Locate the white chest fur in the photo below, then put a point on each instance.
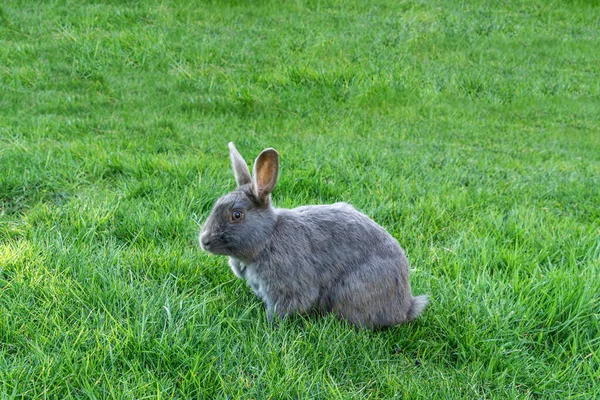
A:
(248, 272)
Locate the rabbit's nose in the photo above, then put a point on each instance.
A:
(204, 240)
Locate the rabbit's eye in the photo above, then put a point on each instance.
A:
(236, 215)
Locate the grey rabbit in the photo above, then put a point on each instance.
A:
(326, 258)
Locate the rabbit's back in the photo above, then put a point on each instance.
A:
(338, 232)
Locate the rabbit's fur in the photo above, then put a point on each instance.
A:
(329, 258)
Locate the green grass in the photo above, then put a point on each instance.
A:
(469, 130)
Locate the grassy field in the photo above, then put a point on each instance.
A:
(468, 129)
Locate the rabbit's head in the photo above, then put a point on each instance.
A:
(241, 221)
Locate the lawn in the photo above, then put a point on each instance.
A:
(470, 130)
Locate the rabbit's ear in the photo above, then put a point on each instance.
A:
(240, 169)
(266, 170)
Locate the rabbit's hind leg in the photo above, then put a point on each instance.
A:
(372, 298)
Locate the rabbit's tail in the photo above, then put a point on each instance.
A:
(419, 303)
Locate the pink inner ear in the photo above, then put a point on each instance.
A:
(267, 167)
(265, 176)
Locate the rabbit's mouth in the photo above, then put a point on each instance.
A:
(216, 250)
(208, 246)
(211, 245)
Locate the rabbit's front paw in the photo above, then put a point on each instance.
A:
(274, 318)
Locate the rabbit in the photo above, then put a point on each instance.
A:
(323, 258)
